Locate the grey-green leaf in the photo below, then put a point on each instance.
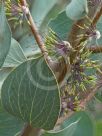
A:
(9, 126)
(40, 9)
(67, 131)
(98, 128)
(29, 45)
(77, 9)
(3, 74)
(31, 93)
(85, 126)
(5, 36)
(15, 56)
(99, 28)
(61, 25)
(99, 95)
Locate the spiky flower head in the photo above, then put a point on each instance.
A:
(56, 46)
(14, 11)
(69, 100)
(93, 33)
(80, 79)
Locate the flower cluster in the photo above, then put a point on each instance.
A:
(79, 80)
(14, 11)
(89, 31)
(69, 100)
(93, 33)
(81, 75)
(56, 46)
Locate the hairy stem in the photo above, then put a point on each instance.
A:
(54, 65)
(34, 29)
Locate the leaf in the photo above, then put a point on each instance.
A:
(85, 125)
(97, 42)
(9, 126)
(26, 41)
(3, 74)
(77, 9)
(53, 13)
(30, 92)
(21, 30)
(99, 95)
(99, 28)
(5, 36)
(15, 56)
(29, 45)
(61, 25)
(67, 131)
(98, 128)
(40, 9)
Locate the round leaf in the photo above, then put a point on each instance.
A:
(15, 56)
(40, 9)
(67, 131)
(98, 128)
(85, 125)
(9, 126)
(61, 25)
(30, 92)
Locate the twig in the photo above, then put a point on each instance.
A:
(34, 29)
(74, 32)
(53, 64)
(95, 49)
(97, 17)
(89, 96)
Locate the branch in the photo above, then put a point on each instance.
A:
(34, 29)
(97, 17)
(95, 49)
(53, 64)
